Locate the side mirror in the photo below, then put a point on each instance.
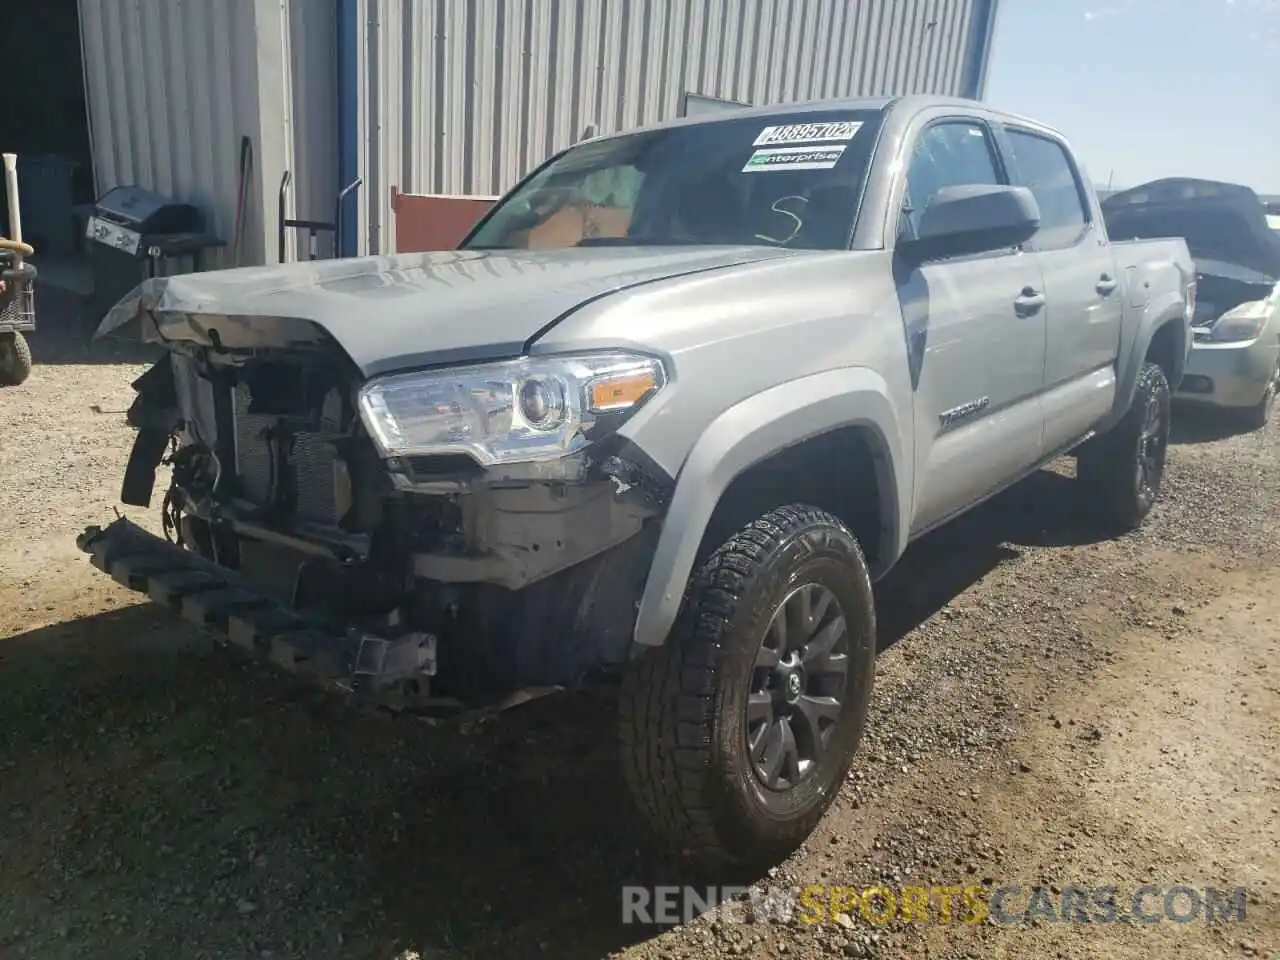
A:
(974, 218)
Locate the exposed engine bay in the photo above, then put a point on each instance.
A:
(481, 581)
(1222, 291)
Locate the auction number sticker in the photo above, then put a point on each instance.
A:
(838, 130)
(794, 158)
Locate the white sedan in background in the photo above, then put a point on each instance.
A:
(1235, 356)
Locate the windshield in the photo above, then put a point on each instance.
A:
(788, 181)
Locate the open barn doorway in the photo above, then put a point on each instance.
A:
(44, 120)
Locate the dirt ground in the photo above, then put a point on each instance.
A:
(1050, 710)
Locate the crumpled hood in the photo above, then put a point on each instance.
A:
(417, 309)
(1222, 223)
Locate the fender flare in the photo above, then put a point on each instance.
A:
(750, 432)
(1166, 310)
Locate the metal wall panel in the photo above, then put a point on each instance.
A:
(465, 96)
(312, 138)
(172, 86)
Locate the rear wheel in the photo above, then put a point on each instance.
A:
(15, 359)
(1121, 471)
(738, 733)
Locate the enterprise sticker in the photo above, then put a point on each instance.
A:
(794, 158)
(808, 133)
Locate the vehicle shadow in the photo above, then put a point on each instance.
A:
(1044, 510)
(1194, 425)
(189, 791)
(185, 790)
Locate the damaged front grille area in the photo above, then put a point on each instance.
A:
(278, 461)
(254, 456)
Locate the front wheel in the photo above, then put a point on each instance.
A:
(15, 359)
(738, 733)
(1121, 471)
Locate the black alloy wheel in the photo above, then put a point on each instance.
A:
(797, 687)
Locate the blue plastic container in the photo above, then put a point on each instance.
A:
(45, 191)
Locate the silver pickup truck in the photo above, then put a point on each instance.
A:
(674, 404)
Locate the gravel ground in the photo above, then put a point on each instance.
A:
(1050, 709)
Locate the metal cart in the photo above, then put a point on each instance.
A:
(18, 296)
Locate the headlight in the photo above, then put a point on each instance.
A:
(515, 411)
(1243, 323)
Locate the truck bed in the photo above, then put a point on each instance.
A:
(1146, 256)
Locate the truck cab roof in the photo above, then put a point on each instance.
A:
(910, 103)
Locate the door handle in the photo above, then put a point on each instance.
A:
(1106, 285)
(1028, 302)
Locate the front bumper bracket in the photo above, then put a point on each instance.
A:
(219, 599)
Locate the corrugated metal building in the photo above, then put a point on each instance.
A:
(463, 96)
(172, 85)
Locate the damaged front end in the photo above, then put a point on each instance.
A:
(436, 540)
(1221, 289)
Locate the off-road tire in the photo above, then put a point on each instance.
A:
(1257, 416)
(15, 359)
(683, 723)
(1108, 468)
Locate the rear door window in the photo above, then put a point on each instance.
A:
(1043, 166)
